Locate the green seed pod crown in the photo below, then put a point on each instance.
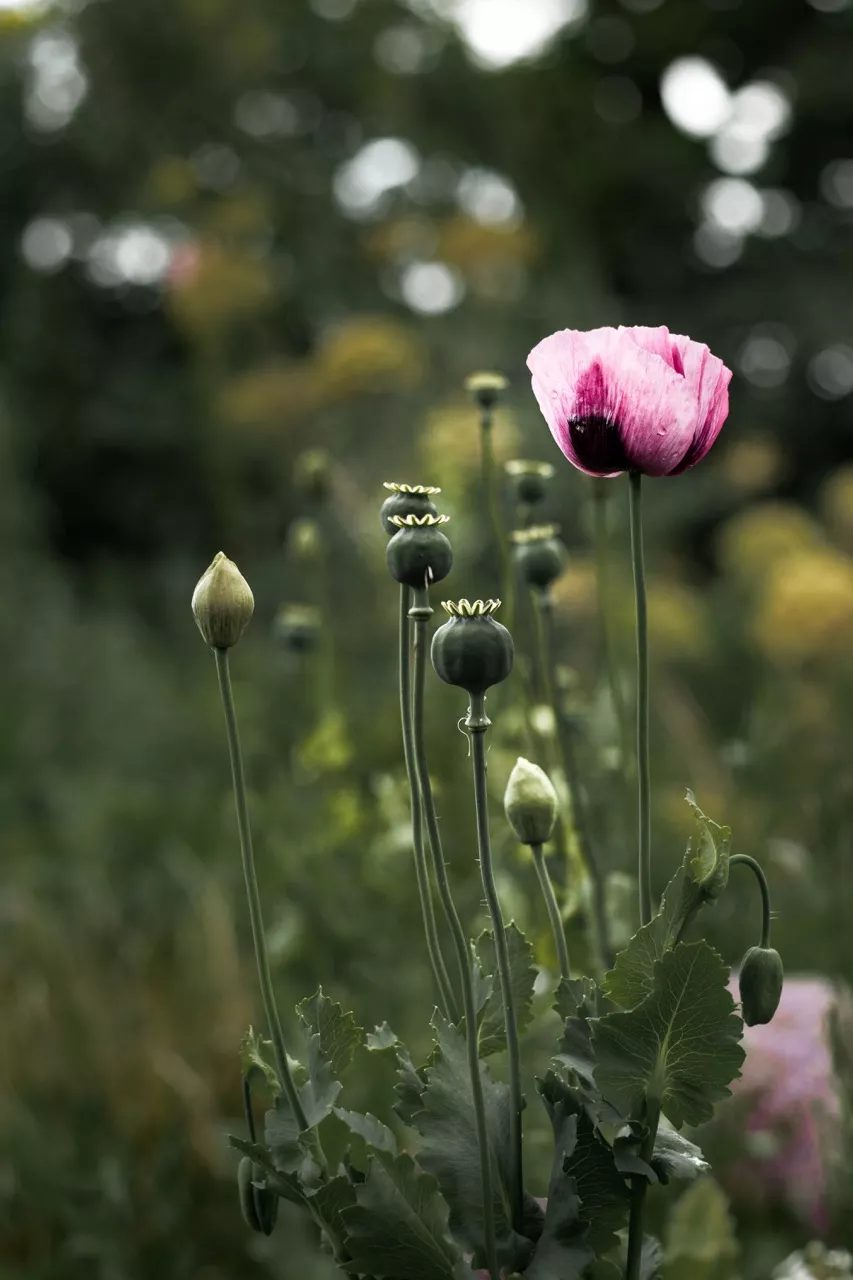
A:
(472, 649)
(407, 500)
(760, 982)
(530, 803)
(530, 479)
(539, 554)
(419, 553)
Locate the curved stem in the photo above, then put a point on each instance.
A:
(758, 871)
(553, 910)
(643, 768)
(477, 735)
(507, 581)
(543, 614)
(252, 892)
(602, 565)
(421, 613)
(247, 1108)
(639, 1188)
(436, 958)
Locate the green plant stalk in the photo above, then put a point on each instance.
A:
(602, 566)
(543, 615)
(643, 767)
(743, 859)
(252, 892)
(639, 1189)
(477, 730)
(553, 910)
(507, 582)
(439, 969)
(421, 613)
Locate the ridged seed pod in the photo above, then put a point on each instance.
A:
(530, 479)
(407, 500)
(539, 554)
(472, 650)
(419, 553)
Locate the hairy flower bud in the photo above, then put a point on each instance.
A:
(419, 553)
(530, 803)
(222, 603)
(472, 650)
(760, 982)
(406, 500)
(530, 479)
(539, 554)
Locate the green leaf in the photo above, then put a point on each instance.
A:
(522, 979)
(328, 1203)
(679, 1046)
(699, 880)
(562, 1252)
(409, 1088)
(373, 1131)
(701, 1242)
(576, 997)
(603, 1192)
(676, 1157)
(294, 1151)
(286, 1185)
(381, 1038)
(252, 1059)
(450, 1150)
(651, 1258)
(399, 1225)
(338, 1032)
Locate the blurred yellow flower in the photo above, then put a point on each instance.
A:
(369, 353)
(218, 287)
(270, 395)
(836, 503)
(755, 539)
(678, 624)
(752, 465)
(806, 610)
(450, 445)
(467, 244)
(243, 214)
(171, 181)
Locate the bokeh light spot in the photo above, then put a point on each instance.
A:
(695, 96)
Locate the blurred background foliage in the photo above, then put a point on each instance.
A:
(233, 232)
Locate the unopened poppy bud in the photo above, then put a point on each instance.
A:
(760, 982)
(222, 603)
(472, 649)
(419, 553)
(539, 554)
(297, 627)
(258, 1204)
(407, 500)
(530, 479)
(530, 803)
(486, 388)
(304, 540)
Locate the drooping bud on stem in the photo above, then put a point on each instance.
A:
(760, 983)
(530, 803)
(222, 603)
(407, 500)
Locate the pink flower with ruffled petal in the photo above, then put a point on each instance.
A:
(630, 399)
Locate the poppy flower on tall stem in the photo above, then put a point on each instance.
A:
(648, 402)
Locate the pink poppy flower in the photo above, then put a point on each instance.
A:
(630, 399)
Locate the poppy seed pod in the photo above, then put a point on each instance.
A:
(472, 650)
(530, 803)
(485, 388)
(297, 627)
(406, 500)
(760, 982)
(222, 603)
(419, 553)
(539, 554)
(530, 479)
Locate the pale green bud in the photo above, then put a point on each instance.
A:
(222, 603)
(530, 803)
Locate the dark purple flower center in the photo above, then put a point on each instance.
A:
(597, 443)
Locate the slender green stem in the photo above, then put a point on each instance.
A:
(481, 801)
(507, 581)
(758, 871)
(643, 768)
(433, 942)
(553, 910)
(544, 618)
(421, 613)
(639, 1188)
(252, 892)
(608, 656)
